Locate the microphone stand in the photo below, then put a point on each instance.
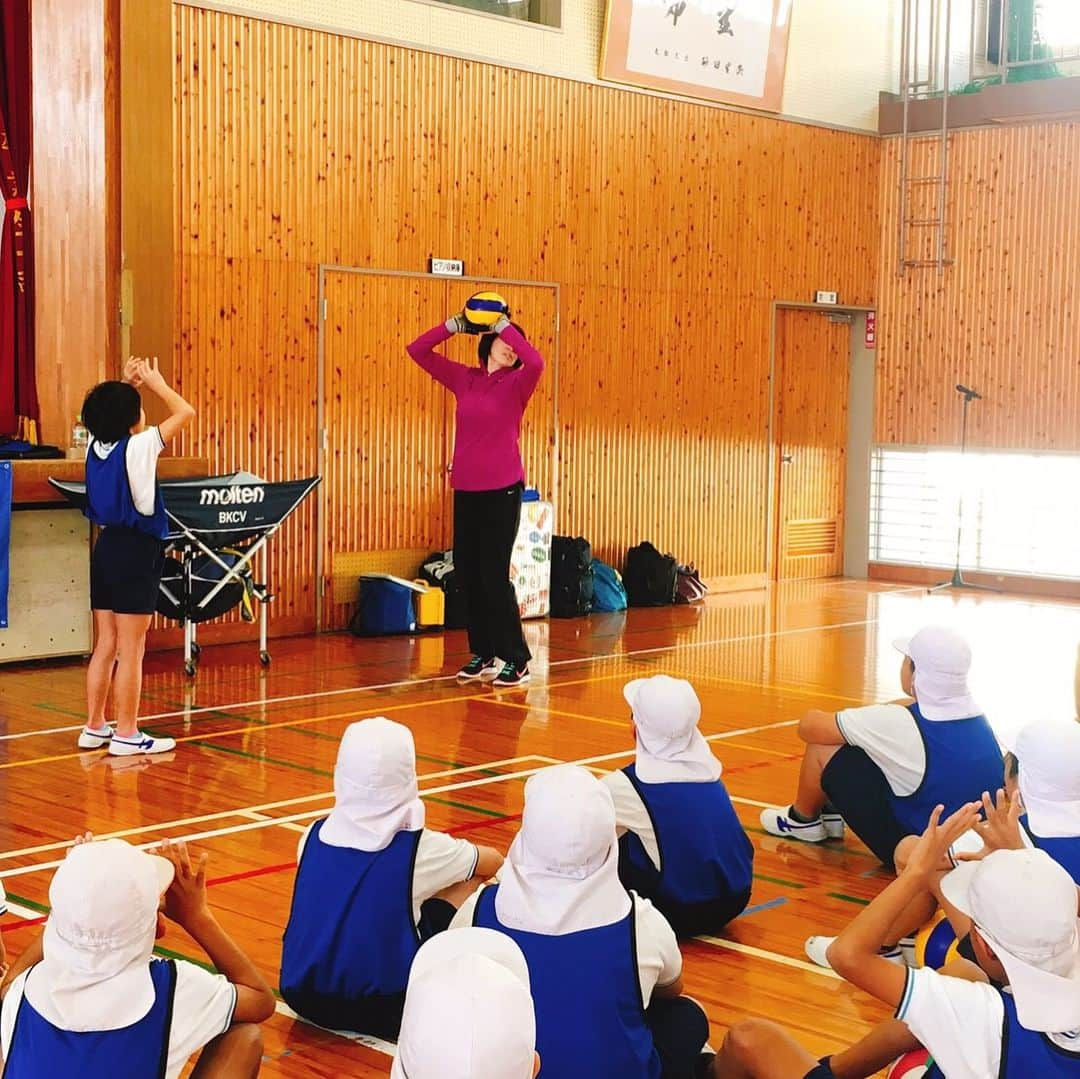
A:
(957, 578)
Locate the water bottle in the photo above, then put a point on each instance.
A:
(80, 439)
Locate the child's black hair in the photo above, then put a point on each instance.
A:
(483, 348)
(1012, 766)
(110, 410)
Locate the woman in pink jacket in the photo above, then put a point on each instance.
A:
(488, 479)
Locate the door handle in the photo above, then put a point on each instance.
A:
(786, 458)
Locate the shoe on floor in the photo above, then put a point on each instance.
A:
(816, 948)
(511, 675)
(479, 669)
(95, 739)
(834, 824)
(140, 743)
(777, 821)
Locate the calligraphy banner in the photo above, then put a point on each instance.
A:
(732, 51)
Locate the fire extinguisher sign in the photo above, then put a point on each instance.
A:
(871, 329)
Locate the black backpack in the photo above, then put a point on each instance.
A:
(438, 570)
(651, 578)
(571, 577)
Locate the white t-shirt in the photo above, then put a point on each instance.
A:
(959, 1023)
(143, 452)
(631, 814)
(203, 1008)
(441, 860)
(890, 736)
(3, 899)
(658, 957)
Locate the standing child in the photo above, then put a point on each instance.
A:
(123, 500)
(884, 767)
(681, 845)
(468, 1012)
(372, 885)
(604, 965)
(88, 999)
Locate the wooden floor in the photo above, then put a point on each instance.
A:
(256, 755)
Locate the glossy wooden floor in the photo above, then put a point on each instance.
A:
(256, 756)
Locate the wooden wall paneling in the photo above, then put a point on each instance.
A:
(670, 228)
(811, 410)
(73, 194)
(1001, 319)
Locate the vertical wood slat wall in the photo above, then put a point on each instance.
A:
(670, 227)
(1005, 318)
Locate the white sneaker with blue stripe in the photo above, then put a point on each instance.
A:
(95, 737)
(779, 821)
(140, 743)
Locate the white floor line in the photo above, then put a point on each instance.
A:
(255, 825)
(224, 814)
(22, 912)
(365, 1040)
(417, 682)
(772, 957)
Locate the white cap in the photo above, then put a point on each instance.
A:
(1049, 756)
(942, 660)
(670, 747)
(105, 897)
(1024, 906)
(468, 1012)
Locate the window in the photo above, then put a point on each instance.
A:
(1021, 511)
(541, 12)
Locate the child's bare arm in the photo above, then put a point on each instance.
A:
(144, 372)
(489, 861)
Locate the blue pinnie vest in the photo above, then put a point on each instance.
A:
(1064, 850)
(1029, 1053)
(590, 1018)
(704, 853)
(109, 500)
(351, 934)
(41, 1051)
(963, 759)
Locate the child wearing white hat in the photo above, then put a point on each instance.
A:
(604, 965)
(372, 885)
(883, 767)
(1014, 1013)
(681, 844)
(88, 999)
(468, 1012)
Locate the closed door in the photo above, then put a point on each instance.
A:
(810, 424)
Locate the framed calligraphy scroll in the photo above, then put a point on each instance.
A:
(732, 51)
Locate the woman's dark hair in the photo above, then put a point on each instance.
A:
(110, 410)
(483, 348)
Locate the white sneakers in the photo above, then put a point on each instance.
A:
(817, 948)
(780, 822)
(137, 744)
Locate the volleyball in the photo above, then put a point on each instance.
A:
(936, 944)
(484, 309)
(911, 1065)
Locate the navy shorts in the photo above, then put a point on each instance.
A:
(125, 571)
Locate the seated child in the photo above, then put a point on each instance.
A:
(372, 885)
(1012, 1014)
(681, 844)
(884, 767)
(604, 965)
(87, 994)
(468, 1012)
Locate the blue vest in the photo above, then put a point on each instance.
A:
(963, 759)
(41, 1051)
(590, 1018)
(351, 934)
(1064, 850)
(704, 853)
(108, 494)
(1027, 1054)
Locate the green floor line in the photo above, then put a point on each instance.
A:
(849, 898)
(840, 848)
(778, 880)
(233, 751)
(60, 711)
(22, 901)
(463, 805)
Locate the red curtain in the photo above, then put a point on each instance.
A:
(18, 391)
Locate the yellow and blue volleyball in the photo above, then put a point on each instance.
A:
(913, 1065)
(936, 944)
(485, 309)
